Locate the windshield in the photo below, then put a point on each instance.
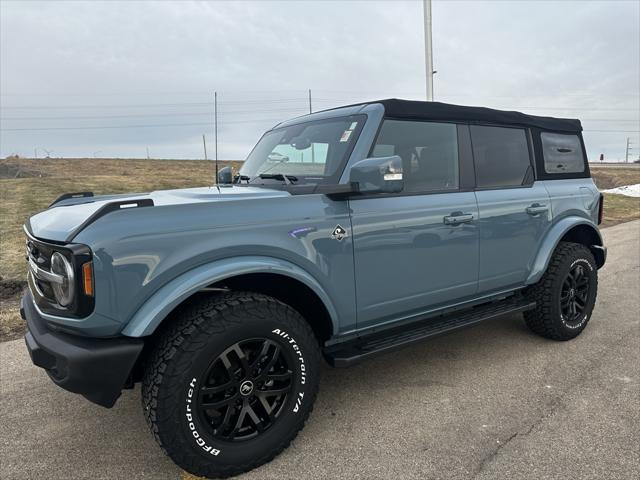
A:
(311, 152)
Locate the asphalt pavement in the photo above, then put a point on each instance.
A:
(493, 401)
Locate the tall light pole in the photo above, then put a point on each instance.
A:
(215, 129)
(428, 48)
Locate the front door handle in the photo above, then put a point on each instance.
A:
(457, 218)
(537, 209)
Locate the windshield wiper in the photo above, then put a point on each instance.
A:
(287, 179)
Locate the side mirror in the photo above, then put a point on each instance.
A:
(225, 175)
(378, 175)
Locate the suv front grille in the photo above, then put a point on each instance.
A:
(40, 278)
(39, 255)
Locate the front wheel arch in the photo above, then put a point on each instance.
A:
(181, 289)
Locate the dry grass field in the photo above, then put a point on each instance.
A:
(28, 186)
(617, 208)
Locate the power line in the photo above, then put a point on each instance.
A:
(613, 131)
(510, 107)
(136, 94)
(153, 105)
(624, 96)
(610, 120)
(233, 122)
(299, 100)
(207, 124)
(251, 113)
(143, 115)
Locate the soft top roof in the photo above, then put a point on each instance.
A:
(397, 108)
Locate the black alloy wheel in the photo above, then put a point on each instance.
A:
(574, 294)
(244, 390)
(230, 382)
(565, 295)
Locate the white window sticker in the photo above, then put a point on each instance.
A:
(345, 135)
(353, 126)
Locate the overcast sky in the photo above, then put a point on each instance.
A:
(145, 72)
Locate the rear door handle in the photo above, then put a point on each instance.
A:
(458, 218)
(537, 209)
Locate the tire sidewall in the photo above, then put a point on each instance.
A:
(293, 344)
(585, 259)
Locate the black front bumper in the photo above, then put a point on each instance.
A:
(95, 368)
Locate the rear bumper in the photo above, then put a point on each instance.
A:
(95, 368)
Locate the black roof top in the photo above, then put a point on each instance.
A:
(397, 108)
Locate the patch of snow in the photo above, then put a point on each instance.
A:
(628, 190)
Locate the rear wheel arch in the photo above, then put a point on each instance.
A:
(588, 236)
(571, 229)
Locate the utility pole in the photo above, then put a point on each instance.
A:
(313, 153)
(626, 154)
(204, 144)
(148, 153)
(215, 127)
(428, 48)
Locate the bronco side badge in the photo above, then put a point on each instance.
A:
(338, 233)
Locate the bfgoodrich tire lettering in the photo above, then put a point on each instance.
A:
(215, 425)
(565, 295)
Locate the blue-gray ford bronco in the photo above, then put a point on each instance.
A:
(346, 233)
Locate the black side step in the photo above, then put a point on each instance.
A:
(345, 355)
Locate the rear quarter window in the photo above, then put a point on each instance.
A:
(562, 153)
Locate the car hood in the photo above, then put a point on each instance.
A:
(64, 219)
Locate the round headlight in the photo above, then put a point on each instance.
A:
(63, 291)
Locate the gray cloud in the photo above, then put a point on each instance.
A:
(69, 66)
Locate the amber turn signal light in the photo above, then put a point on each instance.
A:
(87, 279)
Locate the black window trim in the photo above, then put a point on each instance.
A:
(466, 175)
(541, 173)
(466, 162)
(332, 179)
(530, 149)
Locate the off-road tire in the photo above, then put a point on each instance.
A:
(546, 319)
(201, 332)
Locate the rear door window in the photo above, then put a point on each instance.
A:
(501, 156)
(562, 153)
